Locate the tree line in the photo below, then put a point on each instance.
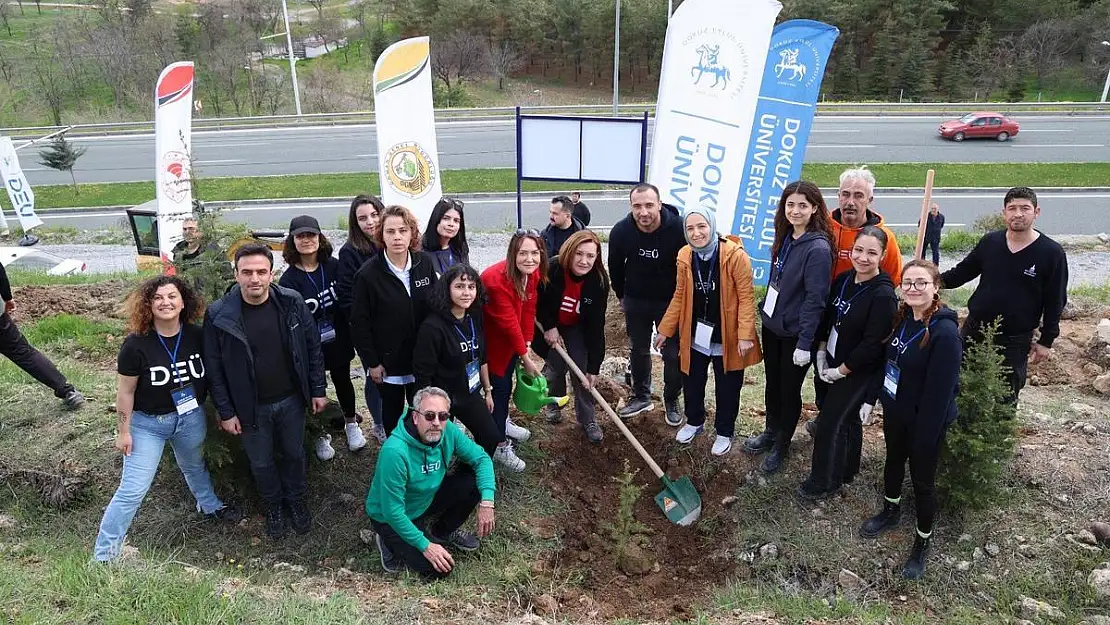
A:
(102, 62)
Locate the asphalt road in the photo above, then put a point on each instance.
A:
(1062, 212)
(471, 144)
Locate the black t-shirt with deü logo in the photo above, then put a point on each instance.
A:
(144, 356)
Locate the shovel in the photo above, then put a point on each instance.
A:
(678, 500)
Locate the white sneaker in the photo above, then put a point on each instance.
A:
(722, 446)
(324, 450)
(355, 439)
(687, 433)
(505, 455)
(516, 432)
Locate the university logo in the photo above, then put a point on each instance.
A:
(708, 64)
(788, 62)
(174, 178)
(799, 64)
(409, 169)
(1032, 271)
(719, 62)
(180, 373)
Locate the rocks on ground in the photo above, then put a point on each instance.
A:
(1034, 610)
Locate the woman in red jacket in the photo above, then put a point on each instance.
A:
(510, 322)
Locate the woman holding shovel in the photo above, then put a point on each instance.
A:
(852, 338)
(571, 310)
(919, 384)
(713, 312)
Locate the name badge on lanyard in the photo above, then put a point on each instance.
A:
(327, 330)
(890, 379)
(703, 332)
(831, 346)
(842, 308)
(773, 285)
(473, 367)
(892, 374)
(473, 379)
(184, 398)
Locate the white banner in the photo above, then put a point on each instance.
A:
(173, 121)
(713, 63)
(19, 190)
(408, 157)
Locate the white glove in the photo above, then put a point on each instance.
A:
(801, 358)
(865, 414)
(832, 374)
(822, 361)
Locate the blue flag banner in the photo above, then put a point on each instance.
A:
(784, 116)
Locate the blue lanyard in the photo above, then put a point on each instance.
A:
(840, 314)
(784, 252)
(904, 345)
(323, 281)
(472, 341)
(176, 346)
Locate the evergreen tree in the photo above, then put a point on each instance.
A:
(981, 442)
(62, 155)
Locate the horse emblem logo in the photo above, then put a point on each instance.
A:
(708, 64)
(788, 61)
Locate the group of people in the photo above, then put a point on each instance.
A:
(441, 344)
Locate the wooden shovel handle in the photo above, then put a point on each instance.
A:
(926, 205)
(608, 409)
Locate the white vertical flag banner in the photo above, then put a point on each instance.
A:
(173, 121)
(408, 156)
(713, 63)
(19, 190)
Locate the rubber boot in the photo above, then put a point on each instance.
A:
(915, 566)
(882, 521)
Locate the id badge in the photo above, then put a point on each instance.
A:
(890, 379)
(703, 335)
(185, 399)
(473, 380)
(831, 347)
(327, 332)
(772, 299)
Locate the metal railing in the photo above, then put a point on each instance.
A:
(507, 112)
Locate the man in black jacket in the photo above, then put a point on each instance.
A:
(563, 224)
(264, 362)
(581, 211)
(643, 256)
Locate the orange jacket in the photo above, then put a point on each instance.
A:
(738, 313)
(843, 238)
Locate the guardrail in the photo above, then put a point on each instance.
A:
(507, 112)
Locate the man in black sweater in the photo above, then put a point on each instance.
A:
(643, 252)
(15, 346)
(1023, 281)
(581, 211)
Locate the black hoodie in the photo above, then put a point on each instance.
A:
(384, 317)
(351, 259)
(928, 377)
(643, 266)
(444, 347)
(861, 314)
(803, 287)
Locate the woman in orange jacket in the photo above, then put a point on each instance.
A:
(713, 312)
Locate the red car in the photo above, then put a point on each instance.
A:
(979, 125)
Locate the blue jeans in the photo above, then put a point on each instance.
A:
(502, 390)
(149, 435)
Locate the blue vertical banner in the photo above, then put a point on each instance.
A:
(784, 116)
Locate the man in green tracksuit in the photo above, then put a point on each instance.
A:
(411, 484)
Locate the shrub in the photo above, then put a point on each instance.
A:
(959, 240)
(981, 441)
(625, 525)
(211, 273)
(989, 222)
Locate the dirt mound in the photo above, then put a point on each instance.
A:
(94, 301)
(682, 563)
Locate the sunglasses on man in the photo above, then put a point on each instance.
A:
(431, 417)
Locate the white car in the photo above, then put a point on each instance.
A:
(30, 259)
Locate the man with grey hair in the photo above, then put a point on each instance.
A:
(411, 485)
(853, 212)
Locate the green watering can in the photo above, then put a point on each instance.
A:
(530, 394)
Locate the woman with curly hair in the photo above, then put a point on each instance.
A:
(451, 352)
(445, 238)
(160, 395)
(390, 301)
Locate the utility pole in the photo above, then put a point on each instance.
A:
(616, 57)
(1106, 85)
(292, 58)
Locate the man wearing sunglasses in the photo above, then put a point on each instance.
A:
(411, 485)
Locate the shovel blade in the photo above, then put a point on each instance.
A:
(679, 501)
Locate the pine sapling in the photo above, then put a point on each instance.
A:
(62, 155)
(624, 524)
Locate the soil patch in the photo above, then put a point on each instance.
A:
(102, 300)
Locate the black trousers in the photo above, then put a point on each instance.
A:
(15, 346)
(453, 504)
(838, 444)
(394, 399)
(275, 446)
(728, 386)
(923, 460)
(471, 410)
(934, 245)
(556, 372)
(638, 319)
(1013, 347)
(783, 393)
(338, 363)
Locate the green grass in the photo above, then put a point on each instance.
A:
(504, 180)
(77, 335)
(952, 240)
(40, 278)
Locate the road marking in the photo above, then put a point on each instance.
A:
(217, 161)
(816, 130)
(1025, 130)
(843, 145)
(1057, 145)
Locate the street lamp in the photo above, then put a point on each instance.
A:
(292, 58)
(1106, 85)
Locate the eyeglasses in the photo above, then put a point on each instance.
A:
(917, 285)
(530, 232)
(452, 201)
(430, 417)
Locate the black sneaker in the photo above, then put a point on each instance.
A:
(302, 518)
(674, 415)
(390, 562)
(915, 565)
(635, 407)
(275, 525)
(773, 462)
(593, 432)
(554, 414)
(459, 539)
(73, 400)
(760, 443)
(230, 514)
(811, 427)
(807, 493)
(882, 521)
